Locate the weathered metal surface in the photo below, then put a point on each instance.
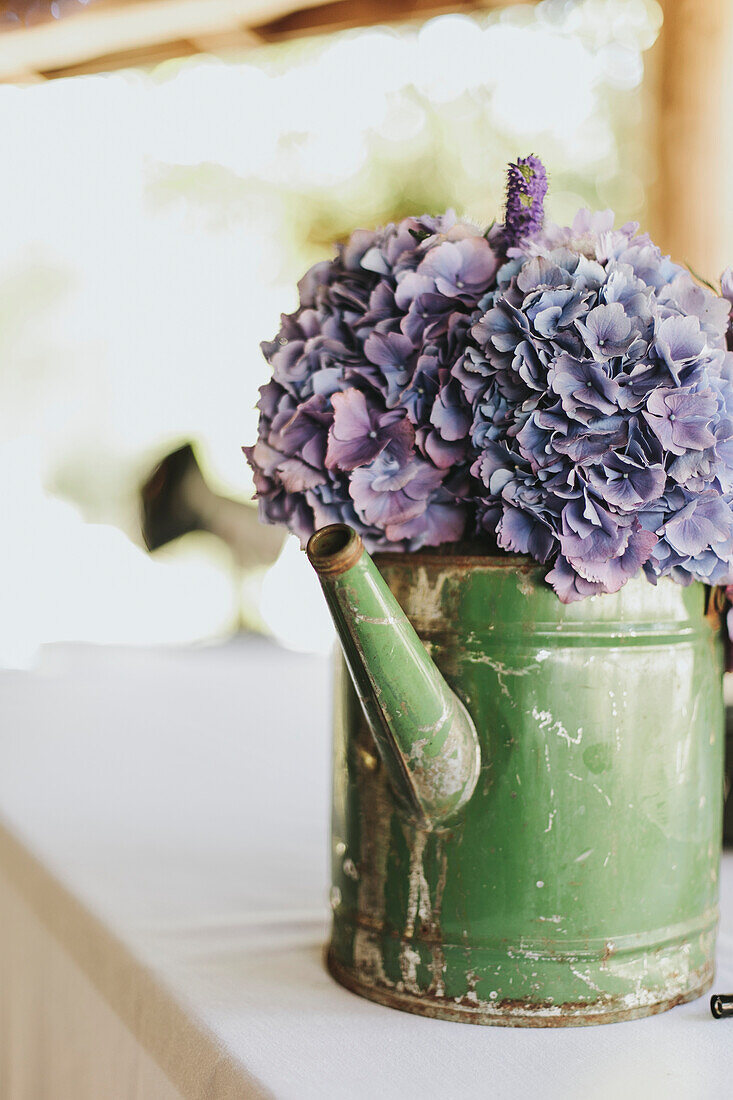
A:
(580, 882)
(424, 735)
(516, 1013)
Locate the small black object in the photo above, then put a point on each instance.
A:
(176, 499)
(166, 511)
(721, 1004)
(728, 812)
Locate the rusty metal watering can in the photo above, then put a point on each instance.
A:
(527, 795)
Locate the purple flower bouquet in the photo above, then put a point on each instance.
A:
(559, 392)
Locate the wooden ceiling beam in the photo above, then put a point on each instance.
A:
(237, 39)
(110, 30)
(126, 59)
(342, 14)
(113, 34)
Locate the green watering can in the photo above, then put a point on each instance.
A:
(527, 795)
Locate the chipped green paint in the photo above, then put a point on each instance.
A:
(579, 883)
(425, 737)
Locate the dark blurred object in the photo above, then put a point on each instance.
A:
(165, 514)
(728, 811)
(176, 500)
(721, 1004)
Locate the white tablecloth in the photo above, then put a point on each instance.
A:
(163, 908)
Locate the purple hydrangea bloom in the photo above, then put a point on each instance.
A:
(615, 452)
(360, 432)
(363, 420)
(388, 492)
(565, 393)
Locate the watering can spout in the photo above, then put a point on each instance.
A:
(424, 734)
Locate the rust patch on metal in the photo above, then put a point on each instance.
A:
(517, 1013)
(372, 865)
(334, 549)
(459, 556)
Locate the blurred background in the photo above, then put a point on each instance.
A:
(172, 167)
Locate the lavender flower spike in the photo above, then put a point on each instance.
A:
(525, 194)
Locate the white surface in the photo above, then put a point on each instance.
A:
(182, 797)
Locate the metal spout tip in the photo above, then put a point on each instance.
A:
(334, 549)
